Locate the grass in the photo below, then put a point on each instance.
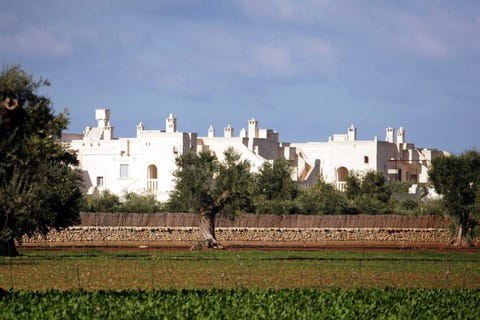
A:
(94, 270)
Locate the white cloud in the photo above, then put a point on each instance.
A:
(160, 72)
(293, 58)
(176, 83)
(284, 10)
(424, 45)
(206, 58)
(432, 32)
(317, 55)
(272, 61)
(35, 42)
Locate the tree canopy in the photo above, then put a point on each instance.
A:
(200, 179)
(369, 193)
(209, 187)
(39, 189)
(322, 198)
(275, 181)
(457, 179)
(276, 191)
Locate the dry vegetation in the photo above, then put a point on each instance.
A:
(99, 270)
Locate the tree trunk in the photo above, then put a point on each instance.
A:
(7, 248)
(207, 239)
(459, 239)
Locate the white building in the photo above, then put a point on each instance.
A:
(255, 145)
(343, 153)
(145, 163)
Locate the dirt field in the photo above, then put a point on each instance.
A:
(269, 246)
(119, 268)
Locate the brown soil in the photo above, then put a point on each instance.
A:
(267, 246)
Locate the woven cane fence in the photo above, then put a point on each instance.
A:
(263, 221)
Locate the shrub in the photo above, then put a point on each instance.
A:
(131, 203)
(104, 202)
(140, 203)
(367, 204)
(322, 199)
(278, 207)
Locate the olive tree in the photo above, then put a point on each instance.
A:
(209, 187)
(368, 192)
(39, 187)
(457, 179)
(276, 190)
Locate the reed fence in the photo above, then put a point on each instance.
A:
(263, 221)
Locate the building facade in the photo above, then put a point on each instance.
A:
(344, 153)
(146, 163)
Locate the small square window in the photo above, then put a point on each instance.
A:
(124, 171)
(99, 182)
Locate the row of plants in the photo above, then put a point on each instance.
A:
(302, 303)
(275, 193)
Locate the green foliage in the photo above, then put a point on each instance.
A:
(457, 179)
(369, 194)
(366, 204)
(407, 206)
(399, 186)
(322, 198)
(236, 177)
(201, 179)
(303, 303)
(39, 189)
(373, 185)
(104, 202)
(195, 184)
(354, 183)
(274, 181)
(278, 207)
(131, 203)
(140, 203)
(432, 207)
(275, 190)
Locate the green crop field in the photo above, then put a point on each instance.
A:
(302, 303)
(239, 284)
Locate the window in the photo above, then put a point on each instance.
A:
(365, 159)
(124, 171)
(99, 182)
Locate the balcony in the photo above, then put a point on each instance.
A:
(341, 186)
(152, 184)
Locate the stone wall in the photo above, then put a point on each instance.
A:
(185, 236)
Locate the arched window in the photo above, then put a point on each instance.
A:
(342, 174)
(152, 172)
(365, 159)
(152, 182)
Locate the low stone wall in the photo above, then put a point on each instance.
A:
(185, 236)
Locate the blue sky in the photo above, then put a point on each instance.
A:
(306, 68)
